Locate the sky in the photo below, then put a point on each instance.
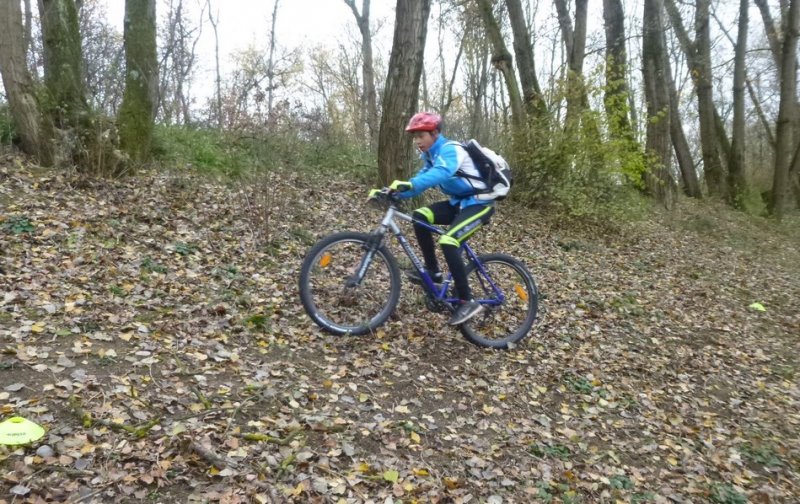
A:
(308, 23)
(241, 23)
(299, 22)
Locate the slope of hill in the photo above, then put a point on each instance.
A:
(152, 325)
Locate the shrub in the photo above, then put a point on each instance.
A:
(750, 201)
(206, 150)
(582, 170)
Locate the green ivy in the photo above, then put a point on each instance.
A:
(18, 225)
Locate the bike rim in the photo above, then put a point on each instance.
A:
(340, 307)
(508, 318)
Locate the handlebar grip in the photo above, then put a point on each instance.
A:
(386, 195)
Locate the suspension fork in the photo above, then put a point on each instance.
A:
(370, 247)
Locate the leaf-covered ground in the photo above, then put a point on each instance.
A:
(160, 341)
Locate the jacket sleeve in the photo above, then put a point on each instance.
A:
(444, 167)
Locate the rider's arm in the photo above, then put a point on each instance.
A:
(444, 167)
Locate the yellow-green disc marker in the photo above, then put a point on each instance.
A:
(19, 431)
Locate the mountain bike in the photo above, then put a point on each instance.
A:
(350, 284)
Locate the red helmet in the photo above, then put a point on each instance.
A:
(424, 121)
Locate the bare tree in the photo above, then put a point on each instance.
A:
(658, 180)
(683, 154)
(773, 36)
(214, 20)
(271, 66)
(776, 40)
(32, 125)
(367, 69)
(503, 61)
(531, 91)
(447, 80)
(616, 94)
(698, 56)
(736, 177)
(476, 76)
(785, 147)
(575, 43)
(402, 88)
(177, 63)
(28, 26)
(103, 58)
(244, 102)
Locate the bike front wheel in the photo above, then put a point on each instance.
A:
(508, 291)
(331, 293)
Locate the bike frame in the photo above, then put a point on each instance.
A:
(389, 224)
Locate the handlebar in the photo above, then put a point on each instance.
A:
(387, 196)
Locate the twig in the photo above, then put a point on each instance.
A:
(90, 495)
(200, 413)
(211, 457)
(85, 417)
(236, 412)
(202, 398)
(337, 475)
(257, 436)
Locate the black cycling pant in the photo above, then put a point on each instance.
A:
(463, 224)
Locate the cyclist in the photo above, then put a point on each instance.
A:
(445, 163)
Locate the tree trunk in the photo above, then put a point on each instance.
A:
(504, 62)
(367, 70)
(63, 75)
(141, 79)
(218, 97)
(699, 61)
(531, 92)
(32, 126)
(28, 27)
(402, 88)
(784, 149)
(476, 70)
(618, 100)
(771, 30)
(736, 177)
(616, 94)
(691, 184)
(658, 180)
(271, 66)
(775, 43)
(712, 165)
(575, 43)
(178, 44)
(447, 93)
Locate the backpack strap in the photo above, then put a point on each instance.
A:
(461, 173)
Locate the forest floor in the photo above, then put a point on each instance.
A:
(160, 341)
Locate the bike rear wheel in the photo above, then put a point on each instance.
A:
(507, 320)
(330, 296)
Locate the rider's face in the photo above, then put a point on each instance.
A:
(424, 139)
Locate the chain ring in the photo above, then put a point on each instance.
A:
(437, 305)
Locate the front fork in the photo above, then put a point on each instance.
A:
(371, 247)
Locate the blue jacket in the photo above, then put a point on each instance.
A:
(441, 163)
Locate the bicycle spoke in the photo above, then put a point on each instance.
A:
(509, 321)
(334, 297)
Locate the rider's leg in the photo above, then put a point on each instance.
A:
(465, 224)
(440, 213)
